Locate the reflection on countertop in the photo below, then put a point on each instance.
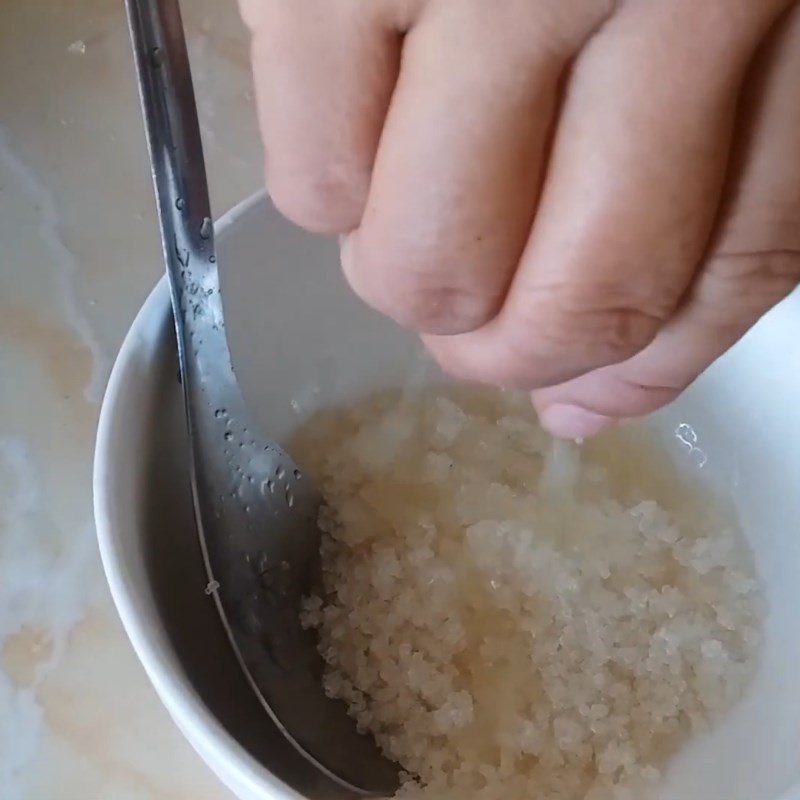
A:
(78, 254)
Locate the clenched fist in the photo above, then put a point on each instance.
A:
(589, 199)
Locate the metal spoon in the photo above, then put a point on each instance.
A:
(255, 513)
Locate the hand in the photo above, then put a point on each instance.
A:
(589, 199)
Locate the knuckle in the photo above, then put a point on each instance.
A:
(619, 331)
(737, 287)
(595, 325)
(748, 281)
(417, 297)
(442, 310)
(604, 335)
(320, 199)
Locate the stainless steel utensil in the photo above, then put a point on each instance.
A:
(255, 512)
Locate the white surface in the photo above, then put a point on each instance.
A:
(745, 413)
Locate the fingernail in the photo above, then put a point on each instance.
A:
(573, 422)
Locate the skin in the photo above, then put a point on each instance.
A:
(592, 200)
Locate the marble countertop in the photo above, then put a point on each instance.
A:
(78, 254)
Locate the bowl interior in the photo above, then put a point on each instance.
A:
(300, 340)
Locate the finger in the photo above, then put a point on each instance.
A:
(460, 161)
(754, 263)
(630, 198)
(324, 75)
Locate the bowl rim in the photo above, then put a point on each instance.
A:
(237, 769)
(243, 774)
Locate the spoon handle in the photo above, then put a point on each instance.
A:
(181, 189)
(173, 131)
(187, 240)
(187, 232)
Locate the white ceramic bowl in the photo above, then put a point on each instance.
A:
(300, 340)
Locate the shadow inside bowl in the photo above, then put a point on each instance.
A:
(176, 575)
